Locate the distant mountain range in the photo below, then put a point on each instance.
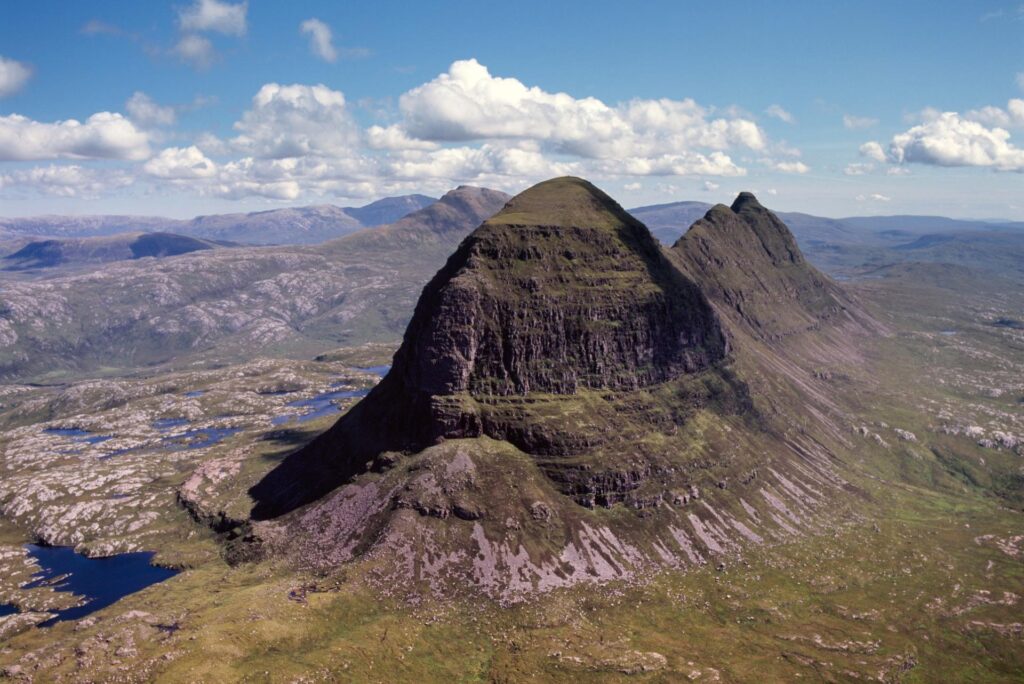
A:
(292, 225)
(226, 302)
(65, 310)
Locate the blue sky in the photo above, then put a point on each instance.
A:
(206, 106)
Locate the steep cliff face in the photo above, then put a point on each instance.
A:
(560, 363)
(560, 291)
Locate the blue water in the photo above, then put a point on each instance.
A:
(67, 432)
(320, 405)
(102, 581)
(78, 435)
(195, 393)
(200, 438)
(7, 609)
(379, 370)
(169, 423)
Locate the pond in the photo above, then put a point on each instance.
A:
(101, 581)
(318, 406)
(164, 424)
(200, 438)
(78, 435)
(7, 609)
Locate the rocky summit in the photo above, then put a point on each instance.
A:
(573, 402)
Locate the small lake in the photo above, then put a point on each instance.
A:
(101, 581)
(200, 438)
(78, 435)
(7, 609)
(164, 424)
(318, 406)
(324, 404)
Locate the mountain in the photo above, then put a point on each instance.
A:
(389, 209)
(572, 402)
(86, 226)
(667, 221)
(772, 290)
(223, 303)
(292, 225)
(78, 252)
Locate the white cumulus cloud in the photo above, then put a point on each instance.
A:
(103, 135)
(874, 197)
(873, 150)
(180, 163)
(66, 180)
(296, 121)
(320, 39)
(952, 140)
(1011, 117)
(213, 15)
(852, 122)
(302, 141)
(395, 138)
(666, 136)
(791, 167)
(858, 169)
(777, 112)
(145, 112)
(13, 76)
(195, 50)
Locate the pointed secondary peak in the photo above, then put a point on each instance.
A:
(745, 200)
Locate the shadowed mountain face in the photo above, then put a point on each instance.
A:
(71, 252)
(563, 362)
(747, 260)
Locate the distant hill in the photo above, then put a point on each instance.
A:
(291, 225)
(77, 252)
(86, 226)
(228, 302)
(389, 209)
(668, 222)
